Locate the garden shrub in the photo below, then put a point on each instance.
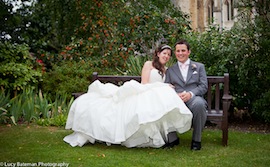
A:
(17, 67)
(58, 113)
(33, 106)
(4, 103)
(261, 107)
(244, 52)
(114, 30)
(112, 36)
(69, 77)
(251, 57)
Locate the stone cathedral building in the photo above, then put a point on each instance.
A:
(205, 12)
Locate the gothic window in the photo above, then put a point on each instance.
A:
(210, 11)
(229, 4)
(232, 8)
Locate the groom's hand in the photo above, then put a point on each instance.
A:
(185, 96)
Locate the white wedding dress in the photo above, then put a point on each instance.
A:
(133, 115)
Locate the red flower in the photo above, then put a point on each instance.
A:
(39, 61)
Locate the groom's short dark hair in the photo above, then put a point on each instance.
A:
(182, 42)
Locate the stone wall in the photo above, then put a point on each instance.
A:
(198, 11)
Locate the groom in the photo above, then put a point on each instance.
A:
(190, 82)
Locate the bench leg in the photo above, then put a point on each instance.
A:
(226, 105)
(225, 137)
(224, 127)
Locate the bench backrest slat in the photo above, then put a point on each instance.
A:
(217, 98)
(114, 79)
(209, 97)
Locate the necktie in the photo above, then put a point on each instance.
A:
(184, 66)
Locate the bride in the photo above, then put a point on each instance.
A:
(134, 114)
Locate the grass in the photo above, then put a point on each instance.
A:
(33, 144)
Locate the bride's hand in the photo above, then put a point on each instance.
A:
(171, 86)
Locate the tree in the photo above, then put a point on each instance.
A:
(252, 56)
(42, 24)
(112, 31)
(9, 20)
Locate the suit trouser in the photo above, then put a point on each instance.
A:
(197, 106)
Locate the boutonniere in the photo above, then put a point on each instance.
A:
(193, 67)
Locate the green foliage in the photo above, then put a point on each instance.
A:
(101, 33)
(112, 31)
(58, 113)
(22, 107)
(135, 64)
(70, 76)
(28, 97)
(44, 25)
(4, 99)
(17, 67)
(75, 38)
(59, 120)
(15, 109)
(4, 102)
(252, 57)
(243, 52)
(11, 23)
(15, 76)
(211, 48)
(43, 104)
(261, 107)
(67, 78)
(30, 106)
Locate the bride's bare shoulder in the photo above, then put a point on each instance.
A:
(148, 64)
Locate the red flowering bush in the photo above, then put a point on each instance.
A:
(114, 30)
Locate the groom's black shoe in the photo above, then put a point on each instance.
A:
(173, 140)
(195, 145)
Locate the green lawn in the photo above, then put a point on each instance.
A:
(33, 144)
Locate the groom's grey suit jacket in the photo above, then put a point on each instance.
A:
(196, 81)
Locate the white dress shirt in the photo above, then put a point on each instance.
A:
(184, 68)
(184, 71)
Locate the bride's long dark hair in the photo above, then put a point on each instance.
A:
(156, 63)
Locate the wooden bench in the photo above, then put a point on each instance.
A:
(217, 97)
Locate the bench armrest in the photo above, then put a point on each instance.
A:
(227, 97)
(76, 95)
